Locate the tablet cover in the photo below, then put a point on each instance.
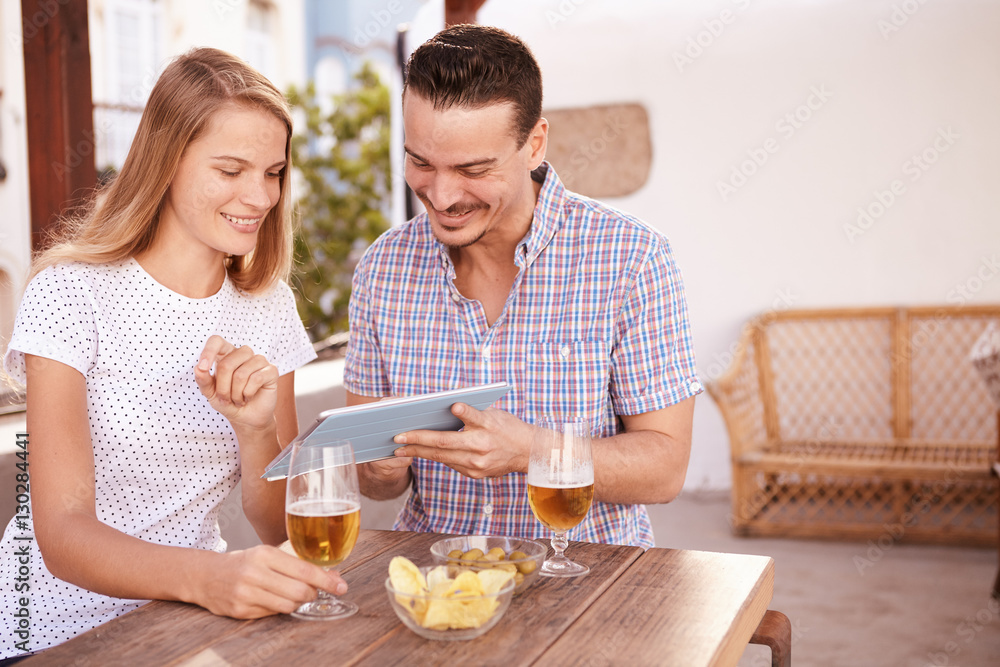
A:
(371, 427)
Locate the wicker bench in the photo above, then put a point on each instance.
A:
(865, 423)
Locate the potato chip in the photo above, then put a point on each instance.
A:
(466, 585)
(407, 578)
(440, 589)
(458, 613)
(493, 580)
(436, 577)
(476, 611)
(439, 614)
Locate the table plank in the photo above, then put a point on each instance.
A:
(676, 603)
(158, 633)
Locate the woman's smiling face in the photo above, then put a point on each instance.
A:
(226, 182)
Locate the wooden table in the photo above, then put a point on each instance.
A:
(661, 606)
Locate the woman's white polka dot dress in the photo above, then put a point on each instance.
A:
(164, 460)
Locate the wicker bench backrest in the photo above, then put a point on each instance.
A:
(868, 374)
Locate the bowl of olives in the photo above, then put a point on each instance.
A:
(480, 552)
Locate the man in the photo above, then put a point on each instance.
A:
(509, 277)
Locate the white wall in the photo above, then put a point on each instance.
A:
(887, 80)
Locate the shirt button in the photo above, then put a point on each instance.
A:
(695, 387)
(456, 297)
(486, 351)
(488, 509)
(565, 352)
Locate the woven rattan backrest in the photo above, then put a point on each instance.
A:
(746, 420)
(948, 400)
(831, 374)
(874, 374)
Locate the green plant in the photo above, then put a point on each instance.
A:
(342, 158)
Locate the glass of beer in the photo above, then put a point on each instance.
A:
(323, 516)
(561, 487)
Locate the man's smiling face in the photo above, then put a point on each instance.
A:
(466, 167)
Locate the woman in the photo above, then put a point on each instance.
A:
(159, 343)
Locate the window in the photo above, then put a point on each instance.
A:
(133, 55)
(260, 50)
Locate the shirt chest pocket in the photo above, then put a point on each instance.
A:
(567, 379)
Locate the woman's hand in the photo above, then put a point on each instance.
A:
(261, 581)
(244, 387)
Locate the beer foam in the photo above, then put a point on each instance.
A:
(578, 476)
(323, 507)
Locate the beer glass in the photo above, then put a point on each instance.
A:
(323, 516)
(561, 487)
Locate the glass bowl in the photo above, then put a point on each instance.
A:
(495, 604)
(527, 566)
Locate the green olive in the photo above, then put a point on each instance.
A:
(527, 566)
(473, 554)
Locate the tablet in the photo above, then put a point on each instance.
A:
(371, 427)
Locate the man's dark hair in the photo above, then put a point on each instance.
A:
(475, 66)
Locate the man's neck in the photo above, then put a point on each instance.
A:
(485, 271)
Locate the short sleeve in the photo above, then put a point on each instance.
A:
(653, 365)
(290, 346)
(56, 320)
(363, 372)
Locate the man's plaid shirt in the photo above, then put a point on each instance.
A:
(595, 325)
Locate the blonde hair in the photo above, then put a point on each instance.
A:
(121, 220)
